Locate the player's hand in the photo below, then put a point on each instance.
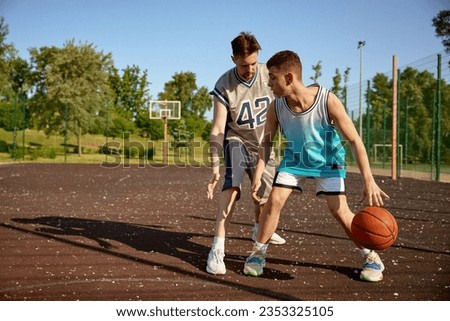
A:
(212, 185)
(374, 194)
(255, 187)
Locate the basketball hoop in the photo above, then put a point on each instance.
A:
(165, 110)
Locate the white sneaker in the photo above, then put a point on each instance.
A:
(275, 239)
(215, 264)
(372, 269)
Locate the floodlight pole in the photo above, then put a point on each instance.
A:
(361, 44)
(394, 119)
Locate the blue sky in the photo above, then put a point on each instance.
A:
(165, 37)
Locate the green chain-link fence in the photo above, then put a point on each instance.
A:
(423, 118)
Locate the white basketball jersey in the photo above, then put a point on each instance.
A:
(246, 102)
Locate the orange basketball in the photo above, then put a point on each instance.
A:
(374, 228)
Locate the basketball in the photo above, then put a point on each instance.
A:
(374, 228)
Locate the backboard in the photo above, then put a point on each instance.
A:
(165, 109)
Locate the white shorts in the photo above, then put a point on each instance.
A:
(324, 185)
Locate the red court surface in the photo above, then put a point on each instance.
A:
(84, 232)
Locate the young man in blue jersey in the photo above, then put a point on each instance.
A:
(311, 119)
(241, 97)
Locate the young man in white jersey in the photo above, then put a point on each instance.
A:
(309, 118)
(241, 98)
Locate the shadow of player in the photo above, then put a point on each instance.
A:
(146, 238)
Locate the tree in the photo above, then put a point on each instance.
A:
(152, 128)
(181, 135)
(201, 102)
(194, 102)
(130, 91)
(119, 125)
(317, 71)
(7, 51)
(445, 130)
(10, 73)
(341, 91)
(416, 100)
(20, 76)
(381, 101)
(336, 88)
(70, 87)
(441, 24)
(344, 88)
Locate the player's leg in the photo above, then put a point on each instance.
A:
(270, 216)
(264, 192)
(227, 200)
(338, 207)
(255, 263)
(234, 175)
(269, 219)
(372, 268)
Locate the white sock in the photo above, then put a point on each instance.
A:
(364, 251)
(261, 247)
(218, 243)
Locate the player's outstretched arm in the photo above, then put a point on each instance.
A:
(216, 147)
(342, 121)
(270, 130)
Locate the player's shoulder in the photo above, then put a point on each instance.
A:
(263, 66)
(227, 75)
(263, 73)
(318, 90)
(224, 82)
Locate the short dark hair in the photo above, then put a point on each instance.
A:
(286, 60)
(245, 44)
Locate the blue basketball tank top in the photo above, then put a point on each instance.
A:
(313, 145)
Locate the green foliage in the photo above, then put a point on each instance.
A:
(151, 128)
(120, 125)
(7, 52)
(70, 87)
(415, 113)
(4, 148)
(20, 76)
(441, 24)
(44, 152)
(206, 131)
(194, 102)
(337, 78)
(317, 71)
(182, 137)
(339, 90)
(130, 91)
(7, 114)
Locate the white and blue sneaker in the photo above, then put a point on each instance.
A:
(372, 269)
(255, 263)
